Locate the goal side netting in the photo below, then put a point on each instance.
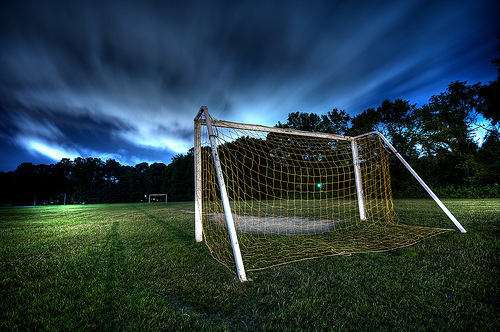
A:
(294, 195)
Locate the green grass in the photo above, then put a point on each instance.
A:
(136, 267)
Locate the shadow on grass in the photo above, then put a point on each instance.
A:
(178, 233)
(115, 266)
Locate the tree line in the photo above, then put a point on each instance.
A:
(92, 180)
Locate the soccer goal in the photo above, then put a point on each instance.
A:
(157, 198)
(267, 196)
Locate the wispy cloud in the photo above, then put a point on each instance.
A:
(104, 77)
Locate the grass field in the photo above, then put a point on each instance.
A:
(137, 267)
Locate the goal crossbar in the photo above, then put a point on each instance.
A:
(244, 126)
(213, 126)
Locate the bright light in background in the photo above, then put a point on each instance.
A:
(57, 153)
(51, 152)
(149, 139)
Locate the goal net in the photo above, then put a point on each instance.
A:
(294, 195)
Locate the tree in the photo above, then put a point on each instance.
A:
(448, 123)
(179, 177)
(32, 183)
(128, 186)
(365, 122)
(448, 120)
(490, 98)
(111, 174)
(302, 121)
(490, 102)
(155, 178)
(397, 123)
(8, 192)
(489, 156)
(335, 122)
(61, 179)
(88, 180)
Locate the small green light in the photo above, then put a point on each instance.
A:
(319, 185)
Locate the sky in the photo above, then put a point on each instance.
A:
(125, 79)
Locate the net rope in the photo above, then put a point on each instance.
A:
(294, 198)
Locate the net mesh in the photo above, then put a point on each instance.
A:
(294, 197)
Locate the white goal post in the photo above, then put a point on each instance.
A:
(417, 177)
(157, 195)
(203, 118)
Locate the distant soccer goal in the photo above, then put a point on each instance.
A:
(267, 196)
(158, 198)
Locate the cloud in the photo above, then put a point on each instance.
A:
(108, 76)
(159, 137)
(53, 152)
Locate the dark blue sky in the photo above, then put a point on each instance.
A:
(124, 79)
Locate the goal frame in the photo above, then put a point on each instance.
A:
(157, 195)
(203, 118)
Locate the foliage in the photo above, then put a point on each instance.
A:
(333, 122)
(448, 120)
(130, 267)
(439, 139)
(91, 180)
(489, 95)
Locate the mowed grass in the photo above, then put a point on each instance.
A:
(137, 267)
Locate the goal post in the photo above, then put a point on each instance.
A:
(225, 200)
(266, 196)
(359, 182)
(154, 196)
(420, 181)
(197, 180)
